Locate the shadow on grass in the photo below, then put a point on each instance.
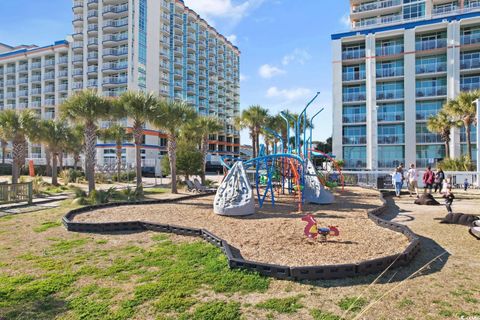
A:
(46, 308)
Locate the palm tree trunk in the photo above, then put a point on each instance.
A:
(469, 141)
(60, 160)
(257, 139)
(54, 169)
(76, 159)
(172, 154)
(254, 150)
(90, 153)
(204, 148)
(447, 149)
(4, 149)
(119, 162)
(48, 158)
(137, 133)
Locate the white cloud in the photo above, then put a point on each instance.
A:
(224, 9)
(289, 94)
(345, 20)
(268, 71)
(243, 77)
(298, 55)
(232, 38)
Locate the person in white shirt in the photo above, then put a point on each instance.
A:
(397, 178)
(412, 180)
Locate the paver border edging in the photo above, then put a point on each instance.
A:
(324, 272)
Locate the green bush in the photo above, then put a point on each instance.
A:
(458, 164)
(71, 176)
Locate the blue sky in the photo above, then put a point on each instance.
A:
(285, 44)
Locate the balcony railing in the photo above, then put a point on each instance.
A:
(424, 45)
(431, 67)
(353, 54)
(431, 91)
(376, 5)
(354, 97)
(390, 116)
(469, 86)
(355, 118)
(429, 138)
(355, 140)
(352, 76)
(391, 139)
(389, 72)
(470, 38)
(390, 94)
(472, 63)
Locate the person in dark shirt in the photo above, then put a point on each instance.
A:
(449, 197)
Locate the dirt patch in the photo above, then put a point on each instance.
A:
(275, 235)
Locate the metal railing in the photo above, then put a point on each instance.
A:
(14, 193)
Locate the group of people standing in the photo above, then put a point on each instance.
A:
(436, 181)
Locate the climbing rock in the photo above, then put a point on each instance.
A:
(426, 199)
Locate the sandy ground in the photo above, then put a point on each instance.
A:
(275, 235)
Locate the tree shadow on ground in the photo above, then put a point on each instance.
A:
(25, 308)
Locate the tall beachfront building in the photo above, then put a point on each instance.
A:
(396, 67)
(156, 46)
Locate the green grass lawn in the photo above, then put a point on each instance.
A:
(49, 273)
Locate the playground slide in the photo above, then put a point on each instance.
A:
(235, 195)
(315, 192)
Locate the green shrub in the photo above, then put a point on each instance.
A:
(352, 303)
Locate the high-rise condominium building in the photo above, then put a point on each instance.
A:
(401, 61)
(156, 46)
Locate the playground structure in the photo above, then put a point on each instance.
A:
(287, 171)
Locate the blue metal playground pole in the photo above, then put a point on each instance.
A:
(304, 114)
(311, 127)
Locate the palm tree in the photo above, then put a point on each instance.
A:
(253, 118)
(54, 135)
(137, 105)
(87, 108)
(442, 125)
(4, 145)
(75, 143)
(205, 126)
(463, 111)
(119, 134)
(170, 116)
(17, 127)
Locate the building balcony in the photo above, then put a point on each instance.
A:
(114, 80)
(92, 3)
(431, 68)
(11, 83)
(431, 91)
(10, 70)
(115, 52)
(21, 81)
(63, 73)
(469, 86)
(115, 25)
(63, 60)
(49, 89)
(354, 118)
(428, 138)
(426, 45)
(92, 83)
(23, 67)
(114, 66)
(113, 10)
(36, 65)
(49, 102)
(36, 104)
(92, 15)
(36, 91)
(354, 76)
(92, 69)
(469, 39)
(468, 64)
(115, 39)
(63, 87)
(23, 93)
(378, 5)
(389, 72)
(354, 97)
(391, 139)
(49, 76)
(390, 94)
(10, 95)
(390, 116)
(353, 54)
(354, 140)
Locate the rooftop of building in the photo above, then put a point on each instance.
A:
(28, 49)
(406, 25)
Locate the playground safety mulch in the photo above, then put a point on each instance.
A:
(275, 235)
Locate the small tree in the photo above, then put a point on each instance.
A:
(171, 116)
(463, 111)
(442, 125)
(87, 108)
(137, 106)
(120, 135)
(17, 127)
(75, 143)
(54, 134)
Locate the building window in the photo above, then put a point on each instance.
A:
(469, 83)
(354, 114)
(354, 135)
(391, 134)
(473, 134)
(426, 109)
(355, 157)
(425, 136)
(390, 90)
(389, 69)
(354, 93)
(415, 10)
(390, 156)
(390, 112)
(431, 64)
(429, 155)
(431, 87)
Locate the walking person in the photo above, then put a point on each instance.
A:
(412, 180)
(397, 178)
(428, 179)
(465, 185)
(449, 196)
(439, 177)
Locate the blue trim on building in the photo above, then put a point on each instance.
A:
(13, 53)
(130, 145)
(409, 25)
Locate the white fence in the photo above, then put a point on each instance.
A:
(383, 179)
